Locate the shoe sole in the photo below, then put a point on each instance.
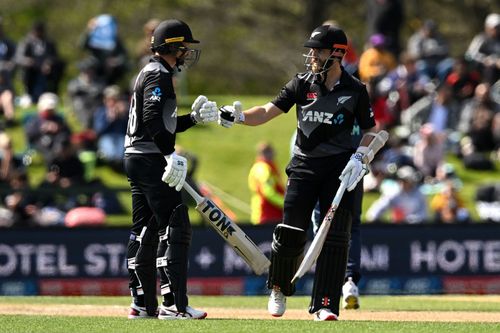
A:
(274, 314)
(329, 318)
(351, 303)
(142, 317)
(181, 318)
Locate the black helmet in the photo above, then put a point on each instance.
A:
(327, 37)
(171, 31)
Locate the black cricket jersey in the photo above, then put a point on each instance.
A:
(325, 118)
(153, 119)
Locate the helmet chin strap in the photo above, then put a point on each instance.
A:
(324, 71)
(178, 63)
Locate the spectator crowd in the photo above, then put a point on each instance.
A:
(434, 105)
(70, 194)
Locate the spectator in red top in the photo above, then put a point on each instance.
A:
(463, 80)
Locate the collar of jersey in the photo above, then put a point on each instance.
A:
(165, 64)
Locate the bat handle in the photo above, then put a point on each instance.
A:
(198, 198)
(340, 192)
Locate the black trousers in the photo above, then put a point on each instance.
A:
(317, 179)
(310, 180)
(153, 203)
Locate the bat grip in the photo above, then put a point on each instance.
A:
(198, 198)
(340, 192)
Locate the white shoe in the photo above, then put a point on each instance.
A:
(139, 312)
(350, 295)
(325, 315)
(170, 312)
(277, 303)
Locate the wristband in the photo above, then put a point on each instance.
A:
(241, 118)
(366, 154)
(192, 115)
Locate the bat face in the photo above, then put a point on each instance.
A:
(220, 221)
(230, 232)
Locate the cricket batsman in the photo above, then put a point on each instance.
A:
(161, 231)
(328, 100)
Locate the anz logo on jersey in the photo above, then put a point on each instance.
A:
(155, 95)
(323, 117)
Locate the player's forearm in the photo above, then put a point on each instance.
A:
(261, 114)
(184, 122)
(255, 116)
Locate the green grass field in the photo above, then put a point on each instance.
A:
(415, 314)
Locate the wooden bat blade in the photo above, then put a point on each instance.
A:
(314, 249)
(230, 232)
(234, 236)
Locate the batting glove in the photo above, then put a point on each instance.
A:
(354, 171)
(208, 112)
(175, 171)
(196, 109)
(228, 114)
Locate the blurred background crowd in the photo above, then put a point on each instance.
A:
(436, 99)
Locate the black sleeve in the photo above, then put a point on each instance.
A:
(287, 97)
(157, 89)
(164, 140)
(184, 122)
(363, 112)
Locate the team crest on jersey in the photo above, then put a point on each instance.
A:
(312, 96)
(343, 99)
(155, 95)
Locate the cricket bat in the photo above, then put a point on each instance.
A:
(230, 232)
(314, 249)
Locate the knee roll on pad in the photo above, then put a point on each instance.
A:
(148, 235)
(287, 251)
(172, 256)
(331, 265)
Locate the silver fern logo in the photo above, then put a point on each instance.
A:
(343, 99)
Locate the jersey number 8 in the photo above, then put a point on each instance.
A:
(132, 117)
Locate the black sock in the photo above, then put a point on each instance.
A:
(168, 299)
(139, 300)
